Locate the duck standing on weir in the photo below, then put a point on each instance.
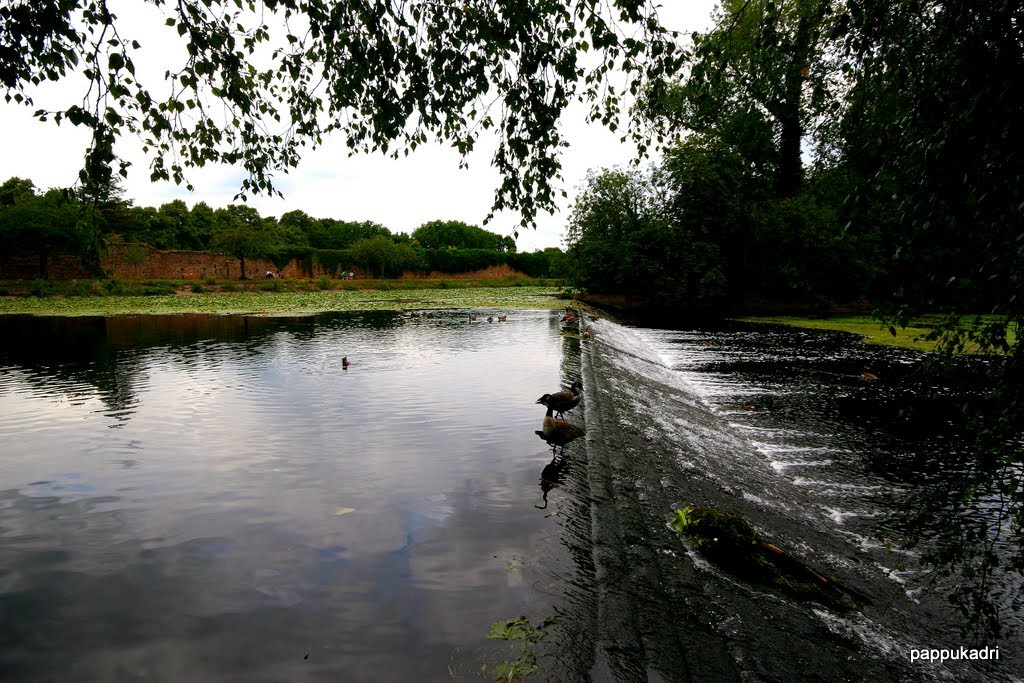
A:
(562, 401)
(558, 432)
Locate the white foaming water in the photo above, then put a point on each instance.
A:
(792, 434)
(733, 427)
(781, 465)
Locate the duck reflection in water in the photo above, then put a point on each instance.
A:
(551, 476)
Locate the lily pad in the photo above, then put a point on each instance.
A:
(289, 303)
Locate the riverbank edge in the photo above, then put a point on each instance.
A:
(871, 330)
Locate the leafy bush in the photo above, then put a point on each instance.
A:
(462, 260)
(78, 288)
(135, 254)
(330, 260)
(41, 288)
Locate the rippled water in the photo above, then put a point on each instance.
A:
(215, 498)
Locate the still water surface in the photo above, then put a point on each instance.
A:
(214, 498)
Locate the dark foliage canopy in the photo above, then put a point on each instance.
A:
(258, 81)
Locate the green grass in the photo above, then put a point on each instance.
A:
(292, 303)
(873, 332)
(869, 328)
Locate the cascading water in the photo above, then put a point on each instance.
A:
(758, 422)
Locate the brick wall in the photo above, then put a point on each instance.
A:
(142, 262)
(502, 270)
(58, 267)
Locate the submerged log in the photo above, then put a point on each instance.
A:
(726, 539)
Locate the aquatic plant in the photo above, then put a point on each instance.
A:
(525, 636)
(290, 303)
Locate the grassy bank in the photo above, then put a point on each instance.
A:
(870, 329)
(873, 332)
(262, 301)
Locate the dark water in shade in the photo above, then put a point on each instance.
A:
(213, 498)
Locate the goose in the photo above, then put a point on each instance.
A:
(344, 362)
(564, 400)
(490, 319)
(558, 432)
(503, 318)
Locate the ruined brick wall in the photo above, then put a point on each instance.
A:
(143, 262)
(501, 270)
(58, 267)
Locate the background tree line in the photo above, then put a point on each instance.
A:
(827, 150)
(44, 223)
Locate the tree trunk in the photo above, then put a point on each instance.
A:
(241, 261)
(808, 27)
(790, 164)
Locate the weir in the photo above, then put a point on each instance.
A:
(663, 432)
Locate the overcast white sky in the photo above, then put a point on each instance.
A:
(401, 194)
